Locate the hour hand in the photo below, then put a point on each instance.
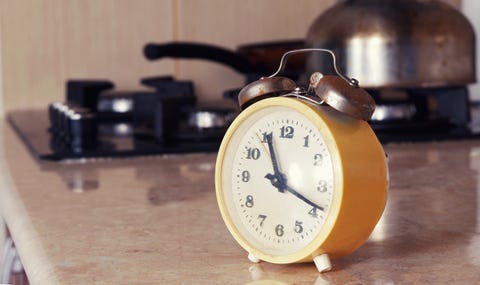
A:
(273, 158)
(277, 178)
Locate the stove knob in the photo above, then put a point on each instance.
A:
(54, 113)
(61, 122)
(82, 127)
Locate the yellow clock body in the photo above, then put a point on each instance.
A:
(296, 181)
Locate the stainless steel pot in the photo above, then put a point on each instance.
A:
(392, 43)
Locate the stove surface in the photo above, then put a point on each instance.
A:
(33, 127)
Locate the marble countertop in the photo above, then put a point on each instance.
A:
(154, 220)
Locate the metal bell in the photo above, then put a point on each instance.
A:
(344, 96)
(264, 88)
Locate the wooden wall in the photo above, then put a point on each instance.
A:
(45, 42)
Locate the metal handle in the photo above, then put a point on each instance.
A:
(352, 81)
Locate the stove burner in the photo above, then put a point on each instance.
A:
(422, 114)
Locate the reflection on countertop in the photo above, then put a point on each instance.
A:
(155, 220)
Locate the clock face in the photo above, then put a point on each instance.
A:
(277, 180)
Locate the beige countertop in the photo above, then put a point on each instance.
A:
(154, 220)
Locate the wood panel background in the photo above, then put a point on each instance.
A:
(45, 42)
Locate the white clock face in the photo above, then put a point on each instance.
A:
(277, 180)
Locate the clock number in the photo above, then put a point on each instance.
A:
(313, 212)
(286, 132)
(249, 202)
(245, 176)
(298, 227)
(253, 153)
(317, 159)
(265, 136)
(305, 141)
(279, 230)
(322, 186)
(262, 219)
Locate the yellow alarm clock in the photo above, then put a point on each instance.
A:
(301, 177)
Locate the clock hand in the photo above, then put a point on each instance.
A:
(282, 186)
(277, 182)
(269, 137)
(303, 198)
(278, 179)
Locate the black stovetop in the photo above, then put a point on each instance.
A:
(33, 128)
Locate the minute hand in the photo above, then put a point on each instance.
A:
(303, 198)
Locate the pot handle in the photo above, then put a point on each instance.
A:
(238, 62)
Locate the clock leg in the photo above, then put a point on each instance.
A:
(322, 262)
(253, 258)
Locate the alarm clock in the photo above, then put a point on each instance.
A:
(300, 175)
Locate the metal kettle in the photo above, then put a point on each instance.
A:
(392, 43)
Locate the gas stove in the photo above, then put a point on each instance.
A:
(97, 121)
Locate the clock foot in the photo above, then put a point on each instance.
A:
(253, 258)
(322, 262)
